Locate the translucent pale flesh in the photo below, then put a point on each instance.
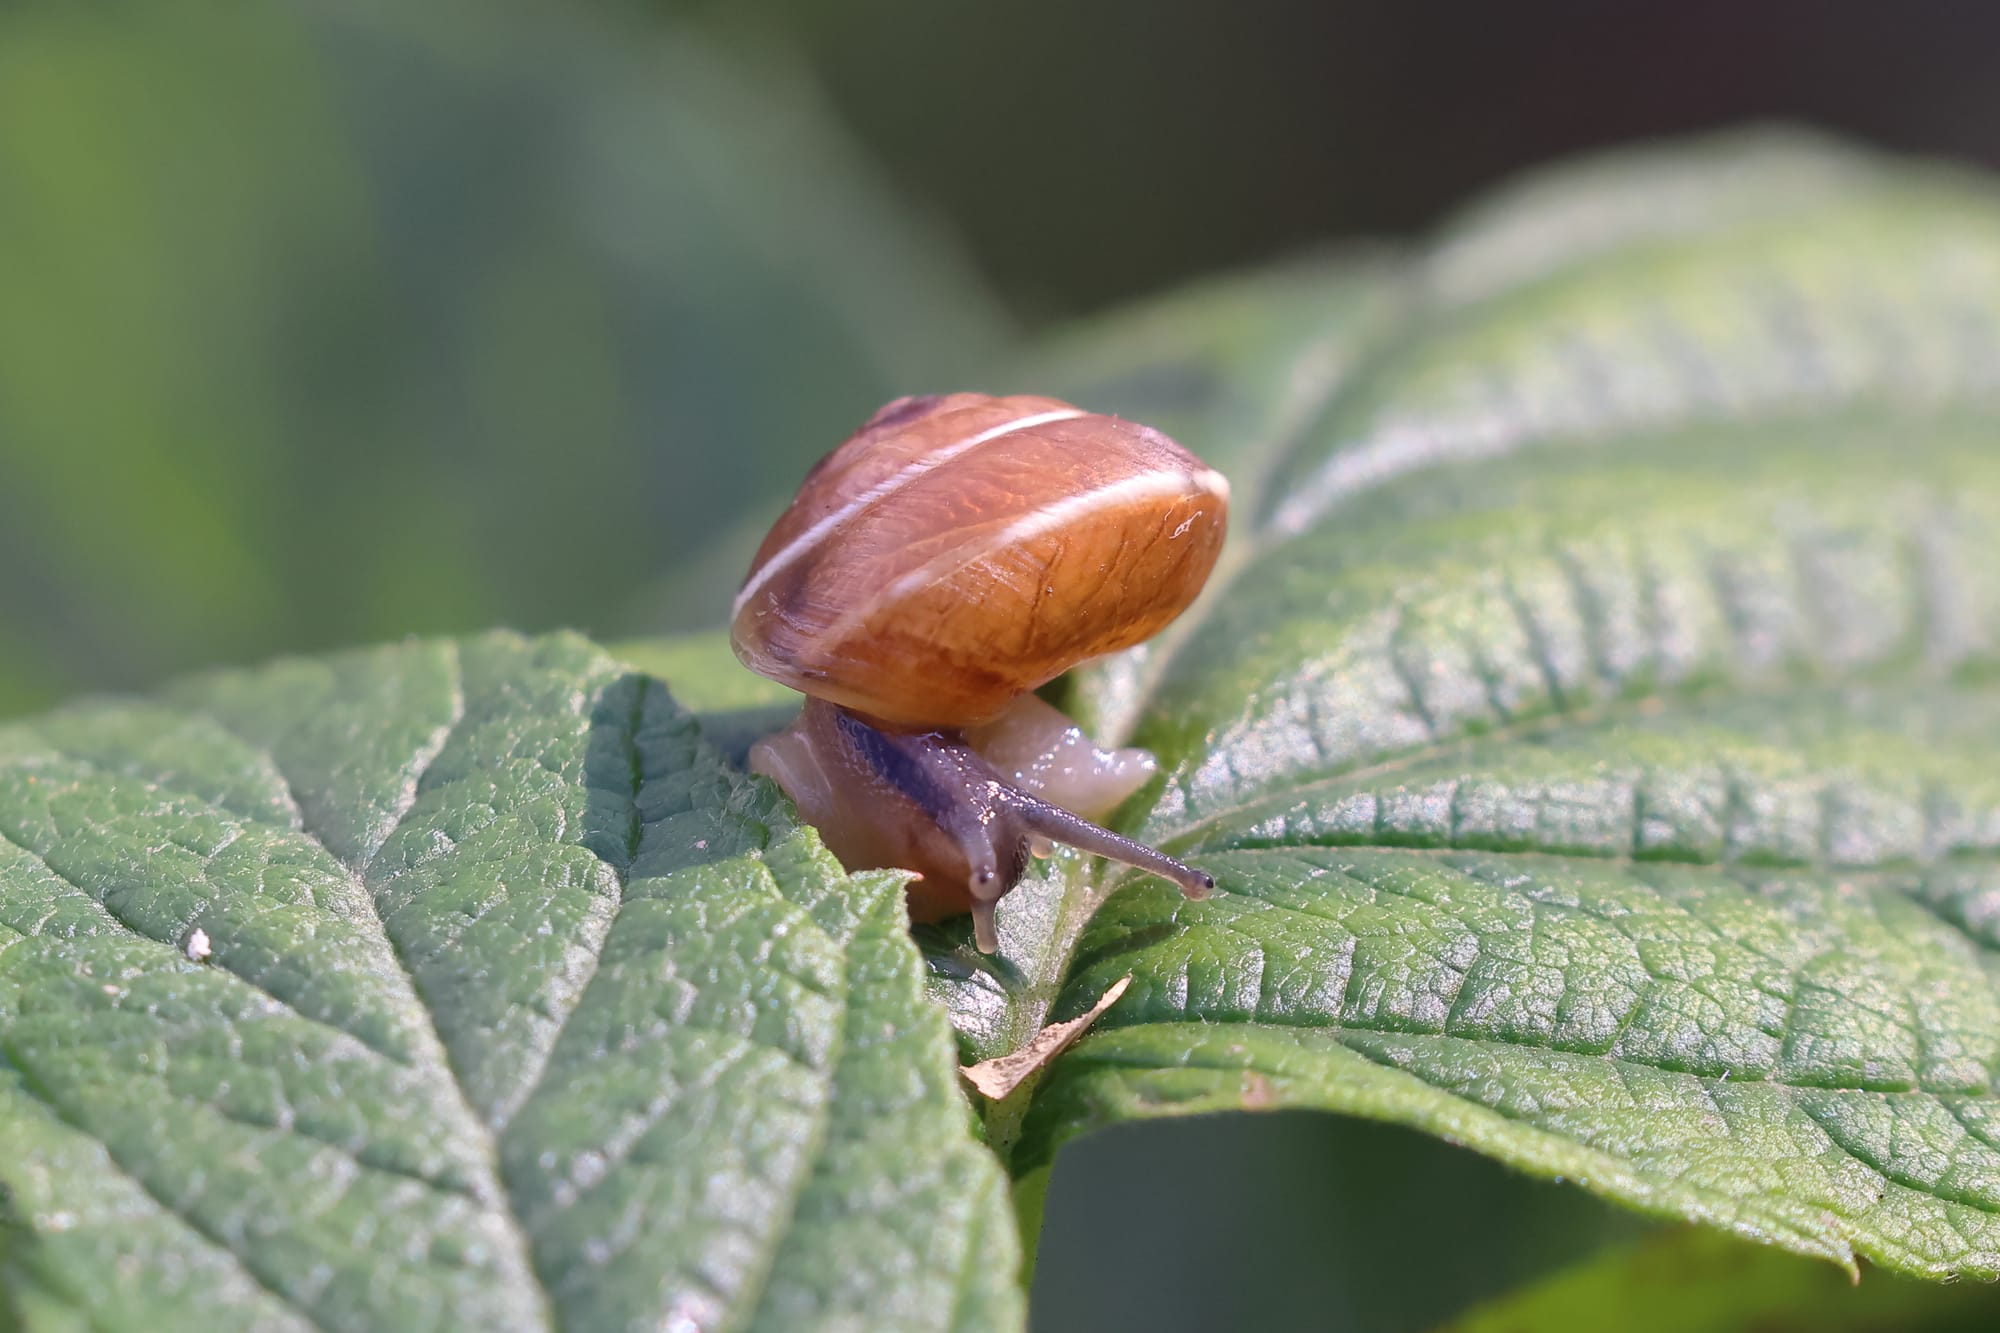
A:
(939, 806)
(1036, 746)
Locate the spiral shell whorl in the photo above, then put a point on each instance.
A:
(961, 550)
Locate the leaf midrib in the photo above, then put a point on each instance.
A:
(1415, 320)
(533, 1084)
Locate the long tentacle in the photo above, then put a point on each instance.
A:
(1059, 825)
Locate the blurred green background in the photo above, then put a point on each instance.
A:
(332, 322)
(322, 323)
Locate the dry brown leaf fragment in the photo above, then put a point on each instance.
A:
(998, 1077)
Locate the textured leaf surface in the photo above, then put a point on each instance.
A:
(1590, 729)
(522, 1010)
(1592, 733)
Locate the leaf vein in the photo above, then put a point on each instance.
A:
(493, 1191)
(245, 1263)
(633, 838)
(220, 963)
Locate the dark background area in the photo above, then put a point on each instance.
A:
(1089, 152)
(328, 323)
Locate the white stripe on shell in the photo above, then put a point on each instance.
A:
(1060, 513)
(798, 545)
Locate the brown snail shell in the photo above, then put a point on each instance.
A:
(960, 551)
(953, 555)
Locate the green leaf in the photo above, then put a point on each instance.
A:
(518, 1008)
(1684, 1280)
(1589, 727)
(1591, 724)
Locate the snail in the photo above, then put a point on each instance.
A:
(955, 554)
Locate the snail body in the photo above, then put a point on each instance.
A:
(951, 557)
